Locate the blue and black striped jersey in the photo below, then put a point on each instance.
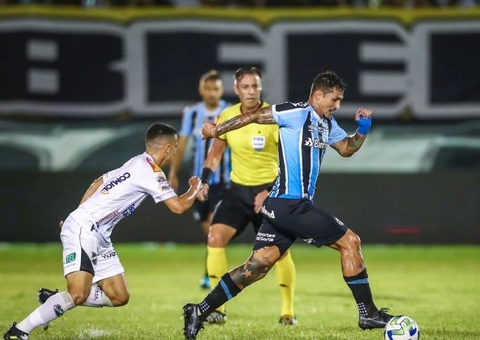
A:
(304, 137)
(192, 121)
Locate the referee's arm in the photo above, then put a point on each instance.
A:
(215, 154)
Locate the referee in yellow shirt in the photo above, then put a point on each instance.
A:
(252, 147)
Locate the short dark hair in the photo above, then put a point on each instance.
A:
(159, 130)
(210, 75)
(239, 73)
(327, 81)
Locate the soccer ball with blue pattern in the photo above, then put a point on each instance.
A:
(401, 327)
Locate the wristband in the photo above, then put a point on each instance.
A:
(207, 174)
(364, 125)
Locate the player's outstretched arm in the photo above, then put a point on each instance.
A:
(353, 143)
(261, 116)
(180, 204)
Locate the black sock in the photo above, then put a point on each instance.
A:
(360, 288)
(224, 291)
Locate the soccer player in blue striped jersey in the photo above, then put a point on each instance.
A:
(305, 130)
(252, 147)
(211, 90)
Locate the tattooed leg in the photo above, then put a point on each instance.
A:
(256, 267)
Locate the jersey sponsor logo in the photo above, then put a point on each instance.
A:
(258, 142)
(109, 254)
(265, 237)
(70, 257)
(127, 212)
(115, 182)
(154, 166)
(315, 143)
(110, 216)
(267, 213)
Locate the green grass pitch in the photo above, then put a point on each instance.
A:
(438, 286)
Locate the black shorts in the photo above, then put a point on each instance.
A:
(286, 220)
(236, 205)
(202, 210)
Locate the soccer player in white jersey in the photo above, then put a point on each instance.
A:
(210, 88)
(94, 274)
(289, 212)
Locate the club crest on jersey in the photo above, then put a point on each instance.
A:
(154, 166)
(258, 142)
(313, 127)
(315, 143)
(162, 181)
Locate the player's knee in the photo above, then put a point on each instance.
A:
(353, 240)
(217, 240)
(121, 299)
(78, 298)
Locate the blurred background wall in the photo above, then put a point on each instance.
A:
(81, 81)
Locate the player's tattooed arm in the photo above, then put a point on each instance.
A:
(349, 145)
(355, 141)
(261, 116)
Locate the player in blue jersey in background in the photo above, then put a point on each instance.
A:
(211, 90)
(289, 212)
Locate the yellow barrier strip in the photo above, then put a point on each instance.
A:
(261, 16)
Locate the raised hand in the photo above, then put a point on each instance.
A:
(208, 130)
(363, 117)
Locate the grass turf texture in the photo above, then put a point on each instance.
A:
(436, 285)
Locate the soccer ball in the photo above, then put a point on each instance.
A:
(401, 327)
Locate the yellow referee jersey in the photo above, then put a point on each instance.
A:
(253, 148)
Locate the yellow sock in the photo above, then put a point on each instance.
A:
(216, 267)
(285, 273)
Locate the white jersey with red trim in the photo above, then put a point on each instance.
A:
(123, 190)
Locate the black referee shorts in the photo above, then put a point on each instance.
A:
(235, 208)
(202, 210)
(286, 220)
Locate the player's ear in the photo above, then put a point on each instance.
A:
(167, 148)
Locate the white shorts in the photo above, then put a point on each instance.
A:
(82, 251)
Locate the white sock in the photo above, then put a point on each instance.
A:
(97, 298)
(52, 309)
